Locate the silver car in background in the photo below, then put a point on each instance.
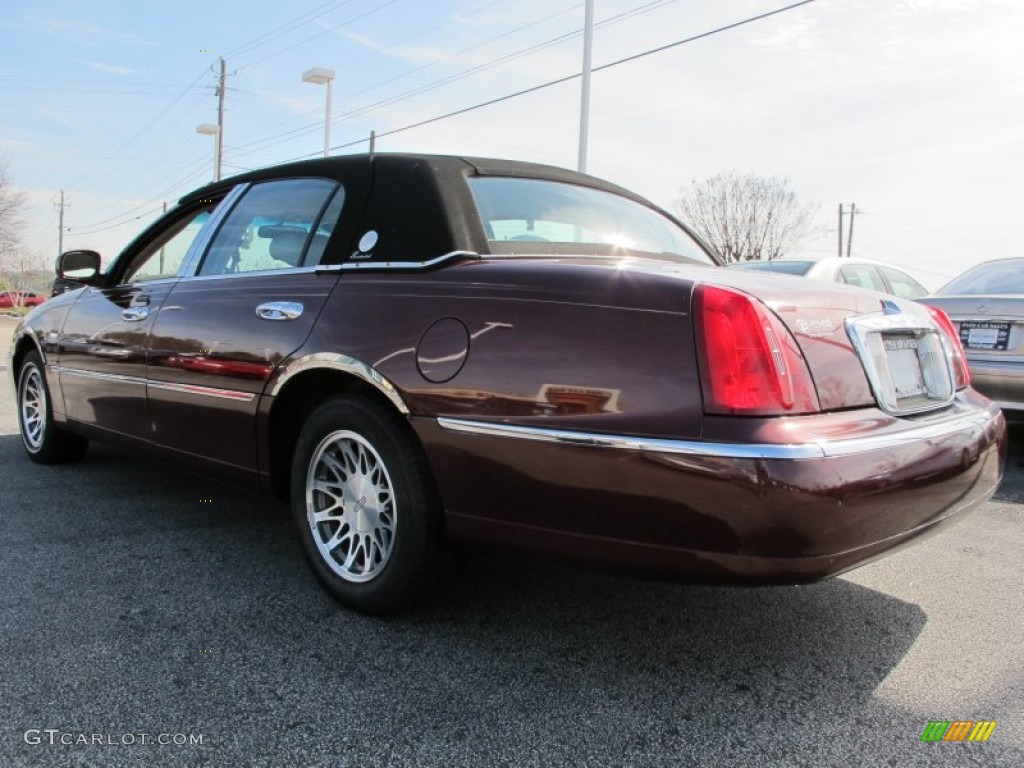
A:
(986, 305)
(863, 273)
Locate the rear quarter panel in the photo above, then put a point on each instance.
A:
(574, 345)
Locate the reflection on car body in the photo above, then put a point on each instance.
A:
(419, 350)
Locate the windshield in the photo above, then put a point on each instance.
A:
(993, 277)
(783, 267)
(538, 216)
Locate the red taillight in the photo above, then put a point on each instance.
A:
(749, 361)
(960, 370)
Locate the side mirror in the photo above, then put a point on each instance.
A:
(80, 266)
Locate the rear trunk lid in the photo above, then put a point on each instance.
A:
(862, 348)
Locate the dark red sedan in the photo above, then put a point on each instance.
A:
(10, 299)
(420, 350)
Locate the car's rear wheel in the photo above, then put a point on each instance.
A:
(44, 441)
(367, 510)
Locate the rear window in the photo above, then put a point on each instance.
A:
(993, 277)
(539, 216)
(782, 267)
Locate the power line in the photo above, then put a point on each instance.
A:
(294, 132)
(341, 66)
(260, 40)
(78, 233)
(140, 133)
(499, 99)
(482, 43)
(567, 78)
(355, 18)
(126, 216)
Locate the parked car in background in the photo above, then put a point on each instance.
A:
(63, 285)
(986, 305)
(417, 350)
(862, 273)
(9, 299)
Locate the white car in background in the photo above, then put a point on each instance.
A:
(859, 272)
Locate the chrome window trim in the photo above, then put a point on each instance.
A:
(251, 273)
(814, 450)
(346, 364)
(355, 266)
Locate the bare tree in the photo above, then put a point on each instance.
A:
(746, 217)
(12, 202)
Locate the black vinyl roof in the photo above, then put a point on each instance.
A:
(443, 165)
(417, 203)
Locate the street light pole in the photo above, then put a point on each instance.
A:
(588, 40)
(323, 76)
(209, 129)
(220, 120)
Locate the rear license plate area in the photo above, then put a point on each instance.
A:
(905, 371)
(906, 360)
(984, 335)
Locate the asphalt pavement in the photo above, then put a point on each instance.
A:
(152, 617)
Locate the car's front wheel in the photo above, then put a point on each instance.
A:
(44, 441)
(366, 507)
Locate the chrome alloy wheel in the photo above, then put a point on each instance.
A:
(32, 408)
(350, 506)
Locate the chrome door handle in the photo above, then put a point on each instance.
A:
(279, 310)
(133, 314)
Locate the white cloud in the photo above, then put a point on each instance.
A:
(111, 69)
(86, 31)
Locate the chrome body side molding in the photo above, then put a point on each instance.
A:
(193, 389)
(346, 364)
(810, 450)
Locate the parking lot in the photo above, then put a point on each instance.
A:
(136, 598)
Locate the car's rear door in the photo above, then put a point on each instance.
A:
(101, 349)
(251, 300)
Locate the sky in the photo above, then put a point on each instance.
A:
(912, 109)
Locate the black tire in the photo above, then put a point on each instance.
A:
(44, 441)
(359, 460)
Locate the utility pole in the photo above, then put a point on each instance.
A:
(373, 142)
(588, 40)
(220, 120)
(60, 225)
(840, 230)
(849, 238)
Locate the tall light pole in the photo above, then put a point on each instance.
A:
(588, 40)
(321, 76)
(209, 129)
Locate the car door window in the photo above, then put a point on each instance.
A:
(276, 225)
(863, 276)
(903, 285)
(164, 256)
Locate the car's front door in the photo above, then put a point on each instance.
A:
(102, 346)
(251, 301)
